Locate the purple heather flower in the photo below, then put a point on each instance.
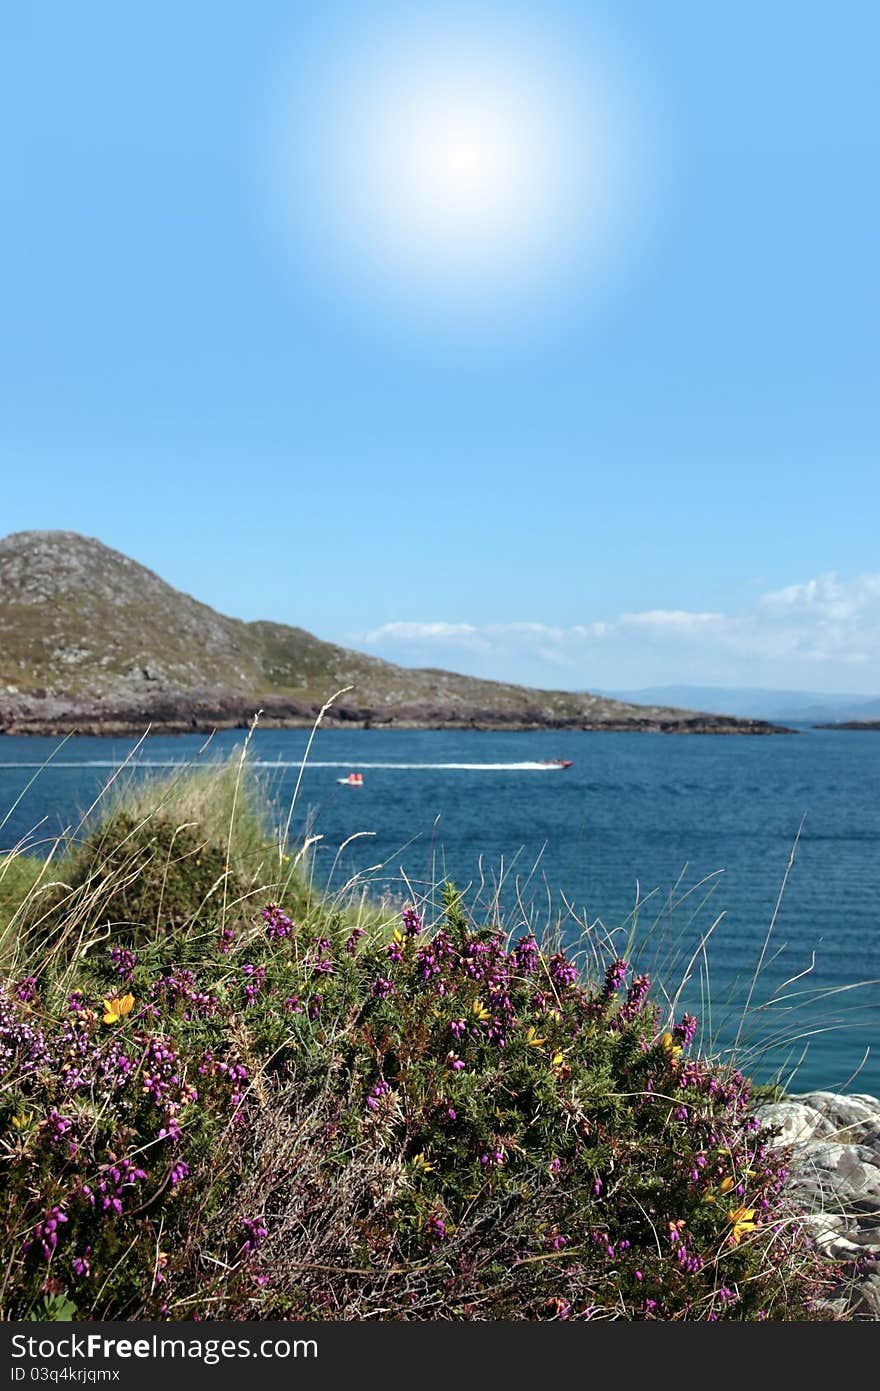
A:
(257, 976)
(124, 959)
(412, 923)
(382, 988)
(615, 977)
(435, 1226)
(26, 989)
(526, 956)
(292, 1005)
(379, 1090)
(255, 1233)
(562, 972)
(178, 1173)
(81, 1266)
(351, 942)
(278, 924)
(315, 1004)
(427, 964)
(684, 1032)
(46, 1231)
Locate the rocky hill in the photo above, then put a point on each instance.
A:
(94, 642)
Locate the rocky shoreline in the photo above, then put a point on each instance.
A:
(181, 713)
(834, 1143)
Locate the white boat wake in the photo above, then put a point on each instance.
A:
(524, 767)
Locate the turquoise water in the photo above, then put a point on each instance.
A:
(701, 827)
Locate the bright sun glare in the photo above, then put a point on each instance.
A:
(458, 171)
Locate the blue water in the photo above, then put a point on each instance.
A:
(700, 828)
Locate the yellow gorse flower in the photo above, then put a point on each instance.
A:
(742, 1221)
(667, 1041)
(558, 1059)
(22, 1121)
(532, 1038)
(421, 1162)
(481, 1011)
(117, 1007)
(725, 1185)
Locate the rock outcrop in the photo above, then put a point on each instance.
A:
(834, 1143)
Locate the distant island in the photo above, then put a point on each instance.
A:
(850, 724)
(94, 643)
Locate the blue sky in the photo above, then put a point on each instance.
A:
(652, 461)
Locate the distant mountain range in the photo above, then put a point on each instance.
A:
(92, 641)
(752, 702)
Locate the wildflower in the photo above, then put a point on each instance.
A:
(526, 955)
(179, 1172)
(668, 1044)
(255, 1233)
(435, 1226)
(421, 1163)
(742, 1221)
(23, 1120)
(352, 940)
(257, 975)
(411, 922)
(480, 1012)
(562, 973)
(725, 1185)
(532, 1038)
(380, 1090)
(81, 1266)
(26, 990)
(557, 1060)
(685, 1032)
(277, 923)
(124, 959)
(614, 977)
(382, 988)
(46, 1231)
(117, 1007)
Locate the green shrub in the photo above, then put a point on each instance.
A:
(271, 1112)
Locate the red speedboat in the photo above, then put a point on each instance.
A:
(556, 762)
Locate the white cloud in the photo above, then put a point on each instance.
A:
(807, 630)
(674, 622)
(462, 634)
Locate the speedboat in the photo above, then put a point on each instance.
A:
(353, 780)
(556, 762)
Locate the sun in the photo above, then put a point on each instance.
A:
(456, 170)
